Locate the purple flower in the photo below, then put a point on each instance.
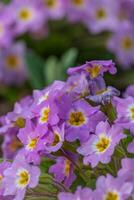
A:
(55, 138)
(81, 194)
(102, 16)
(63, 171)
(127, 172)
(112, 188)
(11, 144)
(101, 145)
(55, 9)
(13, 66)
(99, 92)
(94, 68)
(20, 176)
(81, 119)
(130, 147)
(6, 33)
(46, 114)
(122, 44)
(30, 137)
(125, 112)
(129, 91)
(3, 166)
(28, 15)
(77, 86)
(77, 10)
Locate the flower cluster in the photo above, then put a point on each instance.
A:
(19, 17)
(80, 125)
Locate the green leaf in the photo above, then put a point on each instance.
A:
(69, 57)
(35, 66)
(51, 69)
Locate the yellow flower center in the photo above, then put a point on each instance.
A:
(78, 2)
(127, 43)
(94, 71)
(20, 122)
(44, 115)
(103, 144)
(57, 139)
(50, 3)
(23, 178)
(101, 14)
(112, 196)
(32, 144)
(25, 14)
(12, 62)
(67, 167)
(76, 118)
(1, 178)
(132, 113)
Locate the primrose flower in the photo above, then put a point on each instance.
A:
(122, 44)
(129, 91)
(80, 193)
(127, 172)
(125, 112)
(101, 145)
(94, 68)
(130, 147)
(6, 33)
(20, 176)
(112, 188)
(32, 141)
(3, 166)
(13, 66)
(54, 140)
(81, 119)
(63, 170)
(77, 86)
(102, 16)
(55, 9)
(28, 15)
(77, 10)
(100, 93)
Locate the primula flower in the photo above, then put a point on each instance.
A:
(6, 32)
(110, 188)
(81, 119)
(94, 68)
(122, 44)
(28, 15)
(80, 194)
(63, 170)
(102, 16)
(3, 166)
(55, 9)
(130, 147)
(55, 138)
(33, 143)
(101, 145)
(20, 176)
(77, 10)
(127, 172)
(129, 91)
(100, 93)
(46, 114)
(125, 112)
(13, 66)
(77, 86)
(11, 144)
